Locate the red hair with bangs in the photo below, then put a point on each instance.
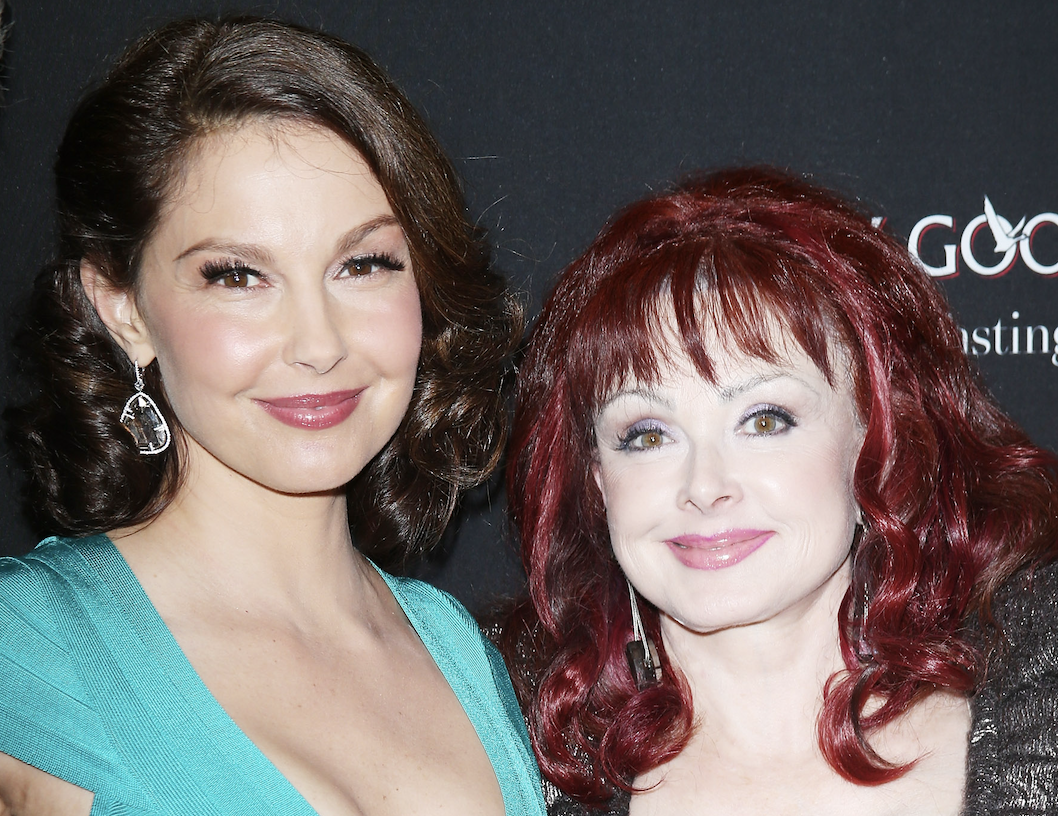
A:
(955, 497)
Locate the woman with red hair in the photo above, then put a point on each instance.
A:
(785, 553)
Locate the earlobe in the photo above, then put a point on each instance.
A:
(119, 313)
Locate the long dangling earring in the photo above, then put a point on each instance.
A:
(642, 656)
(862, 592)
(144, 421)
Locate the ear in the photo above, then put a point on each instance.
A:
(119, 313)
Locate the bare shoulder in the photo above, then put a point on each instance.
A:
(27, 791)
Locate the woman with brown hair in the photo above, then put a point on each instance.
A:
(269, 330)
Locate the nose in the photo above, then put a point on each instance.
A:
(709, 482)
(314, 331)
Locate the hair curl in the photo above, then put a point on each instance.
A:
(122, 156)
(3, 27)
(956, 497)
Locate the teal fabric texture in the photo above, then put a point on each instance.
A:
(96, 691)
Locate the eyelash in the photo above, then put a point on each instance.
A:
(381, 259)
(213, 271)
(216, 270)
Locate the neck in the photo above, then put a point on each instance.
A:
(757, 688)
(233, 540)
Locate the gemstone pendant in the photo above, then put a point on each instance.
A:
(643, 663)
(145, 422)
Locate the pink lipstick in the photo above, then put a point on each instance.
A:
(315, 412)
(717, 551)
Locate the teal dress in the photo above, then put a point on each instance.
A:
(95, 690)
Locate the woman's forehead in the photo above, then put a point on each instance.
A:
(728, 354)
(227, 138)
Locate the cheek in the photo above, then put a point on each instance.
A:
(838, 466)
(813, 471)
(394, 330)
(211, 348)
(634, 496)
(820, 492)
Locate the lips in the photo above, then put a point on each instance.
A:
(717, 551)
(312, 411)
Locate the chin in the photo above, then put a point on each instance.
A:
(717, 616)
(305, 487)
(321, 468)
(309, 478)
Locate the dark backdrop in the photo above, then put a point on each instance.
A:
(557, 113)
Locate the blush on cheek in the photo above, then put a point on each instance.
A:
(211, 353)
(396, 330)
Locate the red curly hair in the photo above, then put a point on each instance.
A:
(955, 496)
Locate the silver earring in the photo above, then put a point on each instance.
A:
(642, 655)
(860, 600)
(144, 421)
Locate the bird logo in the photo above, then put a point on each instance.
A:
(1004, 236)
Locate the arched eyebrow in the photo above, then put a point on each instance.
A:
(352, 239)
(732, 391)
(258, 254)
(726, 394)
(642, 393)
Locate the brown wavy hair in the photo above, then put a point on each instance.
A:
(122, 155)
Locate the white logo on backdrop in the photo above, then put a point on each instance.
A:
(1002, 233)
(1010, 242)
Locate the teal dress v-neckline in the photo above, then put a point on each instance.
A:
(175, 748)
(226, 742)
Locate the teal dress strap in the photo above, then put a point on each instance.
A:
(169, 730)
(47, 716)
(478, 676)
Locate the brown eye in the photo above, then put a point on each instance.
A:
(365, 265)
(235, 279)
(230, 275)
(361, 266)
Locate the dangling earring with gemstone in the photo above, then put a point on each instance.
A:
(861, 598)
(144, 421)
(642, 656)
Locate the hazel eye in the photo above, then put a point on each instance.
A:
(768, 421)
(765, 423)
(639, 438)
(650, 439)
